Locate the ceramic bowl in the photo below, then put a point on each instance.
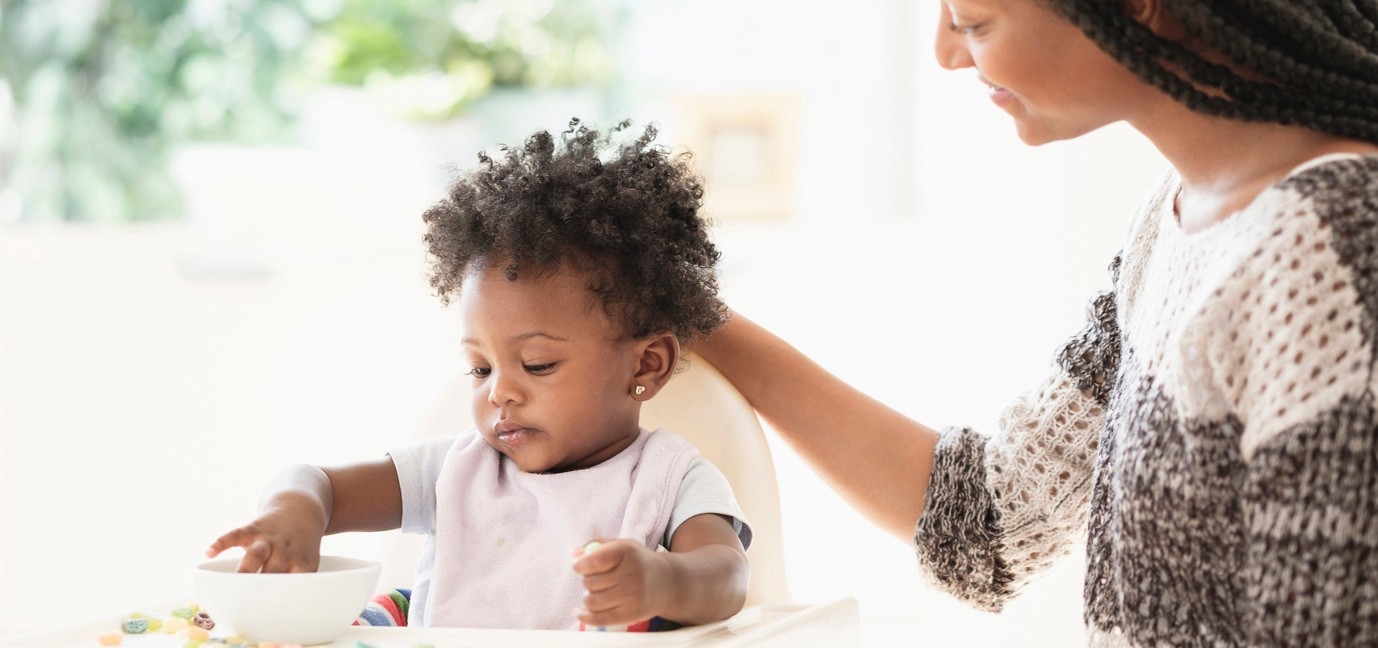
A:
(305, 608)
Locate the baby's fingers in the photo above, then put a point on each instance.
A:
(256, 555)
(257, 550)
(603, 559)
(236, 538)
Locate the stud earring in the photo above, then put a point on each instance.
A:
(640, 389)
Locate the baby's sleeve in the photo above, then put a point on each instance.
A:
(418, 466)
(704, 489)
(999, 510)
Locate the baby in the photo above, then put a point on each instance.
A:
(580, 277)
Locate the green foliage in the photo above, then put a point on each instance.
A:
(432, 58)
(99, 92)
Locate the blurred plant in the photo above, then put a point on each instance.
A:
(99, 92)
(94, 94)
(429, 59)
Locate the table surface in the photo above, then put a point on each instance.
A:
(837, 623)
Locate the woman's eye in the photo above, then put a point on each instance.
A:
(539, 369)
(480, 372)
(965, 30)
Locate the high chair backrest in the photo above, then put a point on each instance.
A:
(698, 404)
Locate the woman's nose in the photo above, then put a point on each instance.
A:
(949, 46)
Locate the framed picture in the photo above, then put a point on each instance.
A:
(745, 147)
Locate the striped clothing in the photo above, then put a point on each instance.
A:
(1212, 428)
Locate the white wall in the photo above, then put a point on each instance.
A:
(151, 378)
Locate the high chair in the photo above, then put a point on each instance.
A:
(698, 404)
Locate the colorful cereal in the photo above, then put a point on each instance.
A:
(203, 620)
(134, 625)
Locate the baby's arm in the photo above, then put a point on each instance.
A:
(703, 578)
(303, 503)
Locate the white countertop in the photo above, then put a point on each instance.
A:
(827, 625)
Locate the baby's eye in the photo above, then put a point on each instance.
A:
(480, 372)
(539, 369)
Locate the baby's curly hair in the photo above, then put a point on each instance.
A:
(630, 221)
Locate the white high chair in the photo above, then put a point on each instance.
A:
(698, 404)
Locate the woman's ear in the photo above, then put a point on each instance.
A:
(1153, 15)
(658, 357)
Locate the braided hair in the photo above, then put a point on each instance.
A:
(1314, 62)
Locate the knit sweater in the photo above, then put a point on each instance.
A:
(1212, 429)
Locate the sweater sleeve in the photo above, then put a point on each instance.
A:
(998, 510)
(1294, 356)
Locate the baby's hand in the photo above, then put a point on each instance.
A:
(283, 539)
(624, 583)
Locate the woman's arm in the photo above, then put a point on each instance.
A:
(303, 503)
(878, 459)
(702, 579)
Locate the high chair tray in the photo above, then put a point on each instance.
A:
(794, 625)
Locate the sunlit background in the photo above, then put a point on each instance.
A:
(211, 266)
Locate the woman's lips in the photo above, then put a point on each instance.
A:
(996, 93)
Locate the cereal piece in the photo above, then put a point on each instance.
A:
(184, 612)
(110, 638)
(194, 607)
(154, 623)
(134, 624)
(203, 620)
(175, 624)
(195, 636)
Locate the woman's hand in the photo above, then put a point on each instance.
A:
(877, 458)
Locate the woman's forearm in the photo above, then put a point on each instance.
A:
(878, 459)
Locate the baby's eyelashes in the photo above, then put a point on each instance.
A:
(539, 369)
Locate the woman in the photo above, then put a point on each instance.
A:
(1213, 427)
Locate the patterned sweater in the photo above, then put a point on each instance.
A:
(1212, 428)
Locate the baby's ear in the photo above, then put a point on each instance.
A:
(659, 355)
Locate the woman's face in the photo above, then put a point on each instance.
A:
(1042, 70)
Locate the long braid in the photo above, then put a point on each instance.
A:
(1311, 63)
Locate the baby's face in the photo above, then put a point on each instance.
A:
(552, 374)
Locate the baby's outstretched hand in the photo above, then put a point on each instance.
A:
(624, 582)
(280, 540)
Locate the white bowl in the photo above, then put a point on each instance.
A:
(308, 608)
